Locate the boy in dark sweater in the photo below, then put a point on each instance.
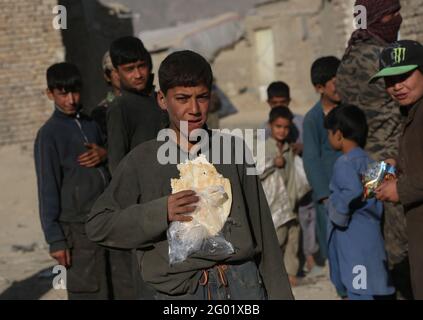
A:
(137, 208)
(134, 117)
(71, 175)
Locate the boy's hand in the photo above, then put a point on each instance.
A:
(323, 201)
(63, 257)
(279, 162)
(280, 146)
(297, 148)
(388, 191)
(179, 204)
(93, 157)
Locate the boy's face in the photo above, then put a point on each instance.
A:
(280, 128)
(68, 102)
(335, 139)
(279, 102)
(113, 79)
(329, 92)
(189, 104)
(405, 89)
(134, 76)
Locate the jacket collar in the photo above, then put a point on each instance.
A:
(412, 112)
(356, 153)
(58, 113)
(195, 151)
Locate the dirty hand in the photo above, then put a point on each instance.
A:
(392, 162)
(181, 203)
(93, 157)
(63, 257)
(388, 191)
(280, 146)
(297, 148)
(279, 162)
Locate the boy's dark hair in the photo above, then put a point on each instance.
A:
(184, 69)
(129, 50)
(278, 89)
(351, 121)
(324, 69)
(280, 112)
(64, 76)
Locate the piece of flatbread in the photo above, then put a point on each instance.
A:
(201, 176)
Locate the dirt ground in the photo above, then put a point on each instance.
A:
(25, 266)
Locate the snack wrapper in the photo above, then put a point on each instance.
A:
(374, 177)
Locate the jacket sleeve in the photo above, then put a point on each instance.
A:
(313, 165)
(119, 220)
(410, 186)
(117, 135)
(347, 192)
(410, 190)
(270, 263)
(49, 181)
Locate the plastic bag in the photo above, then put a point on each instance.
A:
(196, 236)
(277, 198)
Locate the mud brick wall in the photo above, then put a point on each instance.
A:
(28, 45)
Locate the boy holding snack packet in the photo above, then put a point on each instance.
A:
(137, 209)
(357, 257)
(401, 66)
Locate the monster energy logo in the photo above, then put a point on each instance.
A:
(399, 54)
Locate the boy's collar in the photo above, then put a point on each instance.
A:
(413, 109)
(59, 112)
(357, 151)
(197, 148)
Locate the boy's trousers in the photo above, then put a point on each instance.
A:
(289, 238)
(100, 273)
(226, 282)
(322, 229)
(87, 277)
(307, 218)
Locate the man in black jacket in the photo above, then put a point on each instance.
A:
(71, 175)
(134, 117)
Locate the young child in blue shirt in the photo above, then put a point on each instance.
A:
(357, 257)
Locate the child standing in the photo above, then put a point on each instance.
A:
(357, 257)
(279, 95)
(71, 175)
(139, 205)
(280, 186)
(318, 155)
